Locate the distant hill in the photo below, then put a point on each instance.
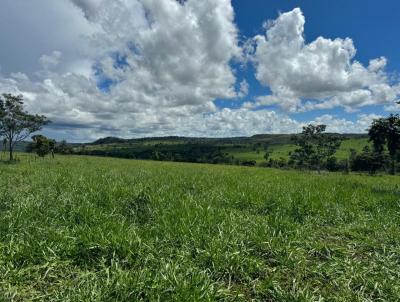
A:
(208, 150)
(109, 140)
(274, 139)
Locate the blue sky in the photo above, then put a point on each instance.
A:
(372, 25)
(135, 68)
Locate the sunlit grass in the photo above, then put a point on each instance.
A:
(101, 229)
(282, 150)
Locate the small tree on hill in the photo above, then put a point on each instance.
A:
(15, 123)
(267, 152)
(386, 131)
(63, 148)
(314, 146)
(42, 145)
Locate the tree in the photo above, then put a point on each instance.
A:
(267, 152)
(332, 164)
(368, 160)
(15, 123)
(314, 146)
(63, 148)
(42, 145)
(4, 145)
(386, 131)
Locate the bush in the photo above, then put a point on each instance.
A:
(332, 164)
(276, 163)
(249, 163)
(368, 161)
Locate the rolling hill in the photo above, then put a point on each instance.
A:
(194, 149)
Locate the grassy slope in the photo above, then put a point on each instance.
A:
(279, 147)
(282, 150)
(101, 229)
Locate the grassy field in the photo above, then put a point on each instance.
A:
(243, 149)
(276, 152)
(282, 150)
(101, 229)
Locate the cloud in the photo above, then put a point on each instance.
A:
(31, 29)
(323, 71)
(395, 107)
(128, 64)
(164, 62)
(341, 125)
(244, 89)
(52, 60)
(89, 7)
(136, 68)
(376, 65)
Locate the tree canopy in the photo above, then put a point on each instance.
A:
(385, 132)
(15, 123)
(42, 145)
(314, 146)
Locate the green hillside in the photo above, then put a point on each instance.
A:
(102, 229)
(192, 149)
(282, 150)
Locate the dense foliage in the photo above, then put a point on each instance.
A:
(314, 147)
(196, 153)
(42, 145)
(386, 131)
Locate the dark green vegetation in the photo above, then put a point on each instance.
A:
(97, 229)
(312, 149)
(42, 145)
(386, 132)
(208, 150)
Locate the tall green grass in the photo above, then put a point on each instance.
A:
(100, 229)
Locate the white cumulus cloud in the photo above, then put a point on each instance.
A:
(322, 72)
(129, 64)
(156, 67)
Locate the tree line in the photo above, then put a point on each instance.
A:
(315, 149)
(188, 152)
